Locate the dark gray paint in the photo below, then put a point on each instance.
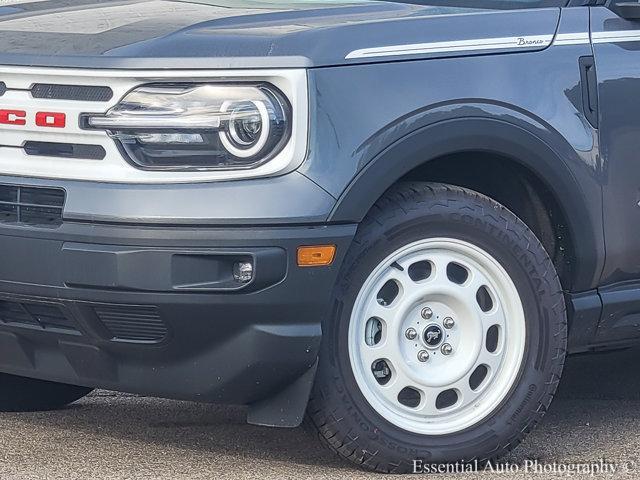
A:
(618, 69)
(197, 35)
(490, 101)
(289, 198)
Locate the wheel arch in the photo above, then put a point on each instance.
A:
(413, 156)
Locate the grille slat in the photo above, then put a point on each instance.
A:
(9, 194)
(86, 93)
(8, 213)
(36, 206)
(36, 315)
(53, 197)
(121, 323)
(49, 316)
(13, 312)
(65, 150)
(24, 204)
(132, 323)
(41, 216)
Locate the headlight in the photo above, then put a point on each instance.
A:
(198, 126)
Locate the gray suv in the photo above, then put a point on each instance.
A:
(395, 217)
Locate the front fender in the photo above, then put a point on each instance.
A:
(491, 135)
(371, 124)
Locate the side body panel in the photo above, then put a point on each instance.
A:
(616, 45)
(527, 106)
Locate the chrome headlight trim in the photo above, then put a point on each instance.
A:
(198, 126)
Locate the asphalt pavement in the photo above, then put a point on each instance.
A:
(594, 419)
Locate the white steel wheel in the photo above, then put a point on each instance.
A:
(437, 336)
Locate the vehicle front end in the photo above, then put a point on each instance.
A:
(330, 207)
(153, 231)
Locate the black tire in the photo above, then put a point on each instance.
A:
(21, 394)
(409, 212)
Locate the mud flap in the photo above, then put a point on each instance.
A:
(285, 409)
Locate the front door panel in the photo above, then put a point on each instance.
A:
(616, 44)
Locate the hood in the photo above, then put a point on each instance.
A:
(249, 33)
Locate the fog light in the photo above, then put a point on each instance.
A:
(243, 272)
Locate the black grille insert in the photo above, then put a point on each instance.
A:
(65, 150)
(43, 316)
(128, 323)
(85, 93)
(31, 205)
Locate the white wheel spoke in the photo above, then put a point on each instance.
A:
(472, 285)
(388, 314)
(439, 273)
(469, 290)
(410, 287)
(393, 389)
(494, 317)
(492, 360)
(387, 350)
(370, 355)
(465, 393)
(428, 406)
(401, 277)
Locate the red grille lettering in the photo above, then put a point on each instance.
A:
(51, 119)
(13, 117)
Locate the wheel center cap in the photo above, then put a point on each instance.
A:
(433, 336)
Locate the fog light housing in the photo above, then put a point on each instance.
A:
(243, 272)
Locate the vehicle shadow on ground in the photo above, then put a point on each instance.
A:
(215, 430)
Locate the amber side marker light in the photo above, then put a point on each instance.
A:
(316, 256)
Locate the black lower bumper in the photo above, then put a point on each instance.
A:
(156, 310)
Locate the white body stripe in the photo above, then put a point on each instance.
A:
(578, 38)
(541, 41)
(503, 43)
(617, 37)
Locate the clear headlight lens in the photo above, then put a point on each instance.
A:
(198, 126)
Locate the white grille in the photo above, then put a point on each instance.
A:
(114, 168)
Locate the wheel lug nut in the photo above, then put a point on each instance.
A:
(411, 333)
(448, 322)
(446, 349)
(423, 356)
(426, 313)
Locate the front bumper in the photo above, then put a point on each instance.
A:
(151, 310)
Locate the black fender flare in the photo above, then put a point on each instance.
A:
(491, 135)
